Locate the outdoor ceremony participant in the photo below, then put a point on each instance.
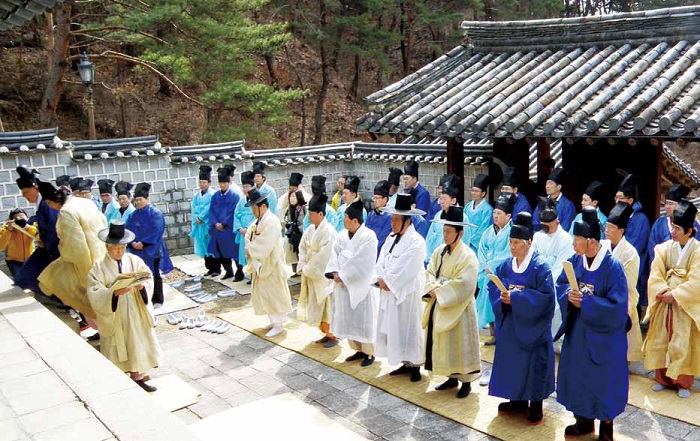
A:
(566, 211)
(123, 190)
(478, 211)
(394, 184)
(109, 206)
(201, 204)
(350, 190)
(318, 186)
(243, 217)
(591, 197)
(294, 185)
(222, 244)
(263, 187)
(378, 220)
(510, 185)
(448, 198)
(337, 199)
(661, 230)
(293, 226)
(410, 172)
(17, 245)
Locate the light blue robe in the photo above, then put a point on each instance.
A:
(200, 232)
(482, 217)
(331, 217)
(242, 218)
(392, 200)
(112, 211)
(493, 249)
(601, 217)
(267, 190)
(435, 238)
(127, 213)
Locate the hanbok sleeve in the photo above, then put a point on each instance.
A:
(73, 244)
(154, 234)
(315, 267)
(356, 266)
(405, 266)
(606, 314)
(265, 241)
(101, 298)
(533, 307)
(686, 294)
(333, 266)
(462, 283)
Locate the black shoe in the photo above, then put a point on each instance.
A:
(534, 413)
(510, 407)
(369, 359)
(449, 384)
(464, 390)
(400, 371)
(94, 337)
(146, 387)
(239, 275)
(323, 340)
(249, 282)
(605, 433)
(582, 427)
(356, 356)
(228, 275)
(415, 374)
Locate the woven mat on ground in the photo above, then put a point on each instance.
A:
(174, 301)
(479, 410)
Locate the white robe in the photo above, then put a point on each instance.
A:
(356, 300)
(400, 334)
(127, 335)
(315, 250)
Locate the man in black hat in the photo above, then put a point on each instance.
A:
(661, 230)
(378, 220)
(510, 185)
(401, 279)
(201, 204)
(63, 181)
(435, 208)
(566, 211)
(411, 181)
(109, 206)
(447, 199)
(624, 252)
(148, 225)
(394, 184)
(350, 195)
(243, 216)
(123, 189)
(222, 244)
(673, 338)
(83, 189)
(449, 320)
(294, 185)
(318, 187)
(478, 210)
(591, 198)
(263, 187)
(593, 378)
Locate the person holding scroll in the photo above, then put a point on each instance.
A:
(523, 364)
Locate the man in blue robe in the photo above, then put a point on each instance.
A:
(448, 198)
(394, 184)
(591, 197)
(263, 187)
(510, 185)
(243, 216)
(222, 245)
(478, 211)
(201, 203)
(148, 224)
(378, 220)
(523, 363)
(566, 210)
(593, 378)
(419, 222)
(123, 190)
(349, 195)
(410, 172)
(109, 206)
(45, 217)
(318, 186)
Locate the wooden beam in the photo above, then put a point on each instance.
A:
(455, 163)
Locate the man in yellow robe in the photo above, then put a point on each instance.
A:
(627, 255)
(452, 334)
(315, 251)
(673, 337)
(124, 316)
(266, 264)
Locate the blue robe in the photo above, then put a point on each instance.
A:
(112, 211)
(482, 217)
(340, 215)
(242, 218)
(200, 211)
(435, 238)
(637, 233)
(523, 364)
(593, 378)
(434, 208)
(493, 249)
(422, 199)
(521, 204)
(148, 225)
(222, 210)
(267, 190)
(127, 213)
(380, 223)
(601, 217)
(566, 212)
(45, 219)
(331, 217)
(421, 225)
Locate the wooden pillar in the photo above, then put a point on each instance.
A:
(516, 154)
(455, 163)
(651, 200)
(543, 153)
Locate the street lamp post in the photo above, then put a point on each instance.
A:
(86, 69)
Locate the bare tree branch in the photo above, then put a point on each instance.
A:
(119, 28)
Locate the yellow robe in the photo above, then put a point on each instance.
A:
(314, 253)
(77, 226)
(680, 354)
(628, 257)
(267, 267)
(455, 330)
(127, 335)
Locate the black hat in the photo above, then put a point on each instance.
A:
(382, 188)
(453, 216)
(85, 185)
(46, 190)
(255, 197)
(105, 185)
(411, 169)
(628, 187)
(318, 184)
(64, 181)
(510, 177)
(620, 214)
(122, 188)
(74, 182)
(505, 203)
(259, 168)
(557, 175)
(395, 176)
(522, 226)
(677, 193)
(443, 179)
(205, 173)
(224, 173)
(684, 214)
(548, 209)
(482, 181)
(247, 177)
(355, 211)
(295, 179)
(352, 183)
(403, 206)
(594, 190)
(116, 234)
(27, 178)
(589, 225)
(450, 185)
(318, 202)
(142, 189)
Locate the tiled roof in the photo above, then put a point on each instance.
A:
(678, 170)
(16, 142)
(631, 74)
(17, 12)
(209, 152)
(87, 150)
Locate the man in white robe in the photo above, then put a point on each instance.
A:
(269, 272)
(401, 278)
(315, 249)
(355, 300)
(124, 316)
